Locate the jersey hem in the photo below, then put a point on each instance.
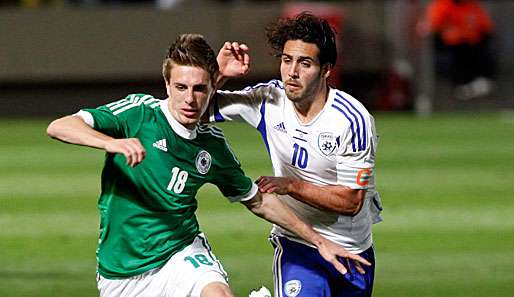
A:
(353, 250)
(146, 269)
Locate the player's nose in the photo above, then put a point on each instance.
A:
(189, 97)
(293, 70)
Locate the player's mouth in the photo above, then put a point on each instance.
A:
(190, 113)
(292, 85)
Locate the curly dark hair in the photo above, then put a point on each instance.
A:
(307, 28)
(191, 50)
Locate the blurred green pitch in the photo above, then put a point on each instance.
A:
(447, 185)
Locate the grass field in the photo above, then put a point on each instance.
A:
(447, 186)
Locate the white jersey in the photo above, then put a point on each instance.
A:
(336, 148)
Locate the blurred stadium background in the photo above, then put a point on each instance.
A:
(444, 165)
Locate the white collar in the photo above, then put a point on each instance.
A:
(175, 125)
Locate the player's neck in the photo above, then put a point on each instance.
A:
(306, 110)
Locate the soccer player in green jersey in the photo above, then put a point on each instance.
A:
(158, 156)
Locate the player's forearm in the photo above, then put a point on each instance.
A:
(337, 199)
(72, 129)
(270, 208)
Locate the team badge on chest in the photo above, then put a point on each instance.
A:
(327, 143)
(293, 288)
(203, 162)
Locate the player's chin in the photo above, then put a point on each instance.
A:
(294, 96)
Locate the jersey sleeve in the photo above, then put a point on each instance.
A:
(121, 118)
(231, 180)
(356, 156)
(244, 105)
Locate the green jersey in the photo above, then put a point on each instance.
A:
(147, 213)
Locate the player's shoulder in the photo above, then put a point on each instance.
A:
(272, 84)
(211, 131)
(272, 90)
(133, 102)
(135, 98)
(347, 113)
(214, 139)
(145, 100)
(345, 97)
(346, 101)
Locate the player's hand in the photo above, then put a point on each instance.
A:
(273, 184)
(233, 59)
(340, 257)
(131, 148)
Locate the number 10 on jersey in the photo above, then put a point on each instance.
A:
(300, 156)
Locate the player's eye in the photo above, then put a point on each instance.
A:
(286, 59)
(200, 88)
(180, 87)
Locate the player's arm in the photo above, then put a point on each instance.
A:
(73, 129)
(233, 61)
(270, 208)
(335, 198)
(354, 171)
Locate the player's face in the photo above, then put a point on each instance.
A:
(301, 72)
(189, 90)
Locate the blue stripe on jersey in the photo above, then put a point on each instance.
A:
(362, 145)
(351, 124)
(277, 268)
(299, 139)
(262, 125)
(356, 121)
(376, 204)
(217, 115)
(278, 84)
(272, 82)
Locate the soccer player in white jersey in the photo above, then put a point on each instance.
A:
(322, 144)
(158, 156)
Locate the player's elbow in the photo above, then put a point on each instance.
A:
(354, 209)
(352, 205)
(62, 127)
(53, 128)
(347, 210)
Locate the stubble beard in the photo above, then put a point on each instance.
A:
(294, 96)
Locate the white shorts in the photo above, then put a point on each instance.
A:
(184, 275)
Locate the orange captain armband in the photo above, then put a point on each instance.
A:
(363, 177)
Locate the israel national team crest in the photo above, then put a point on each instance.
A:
(203, 162)
(293, 288)
(327, 143)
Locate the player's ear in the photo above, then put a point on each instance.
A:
(168, 87)
(326, 70)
